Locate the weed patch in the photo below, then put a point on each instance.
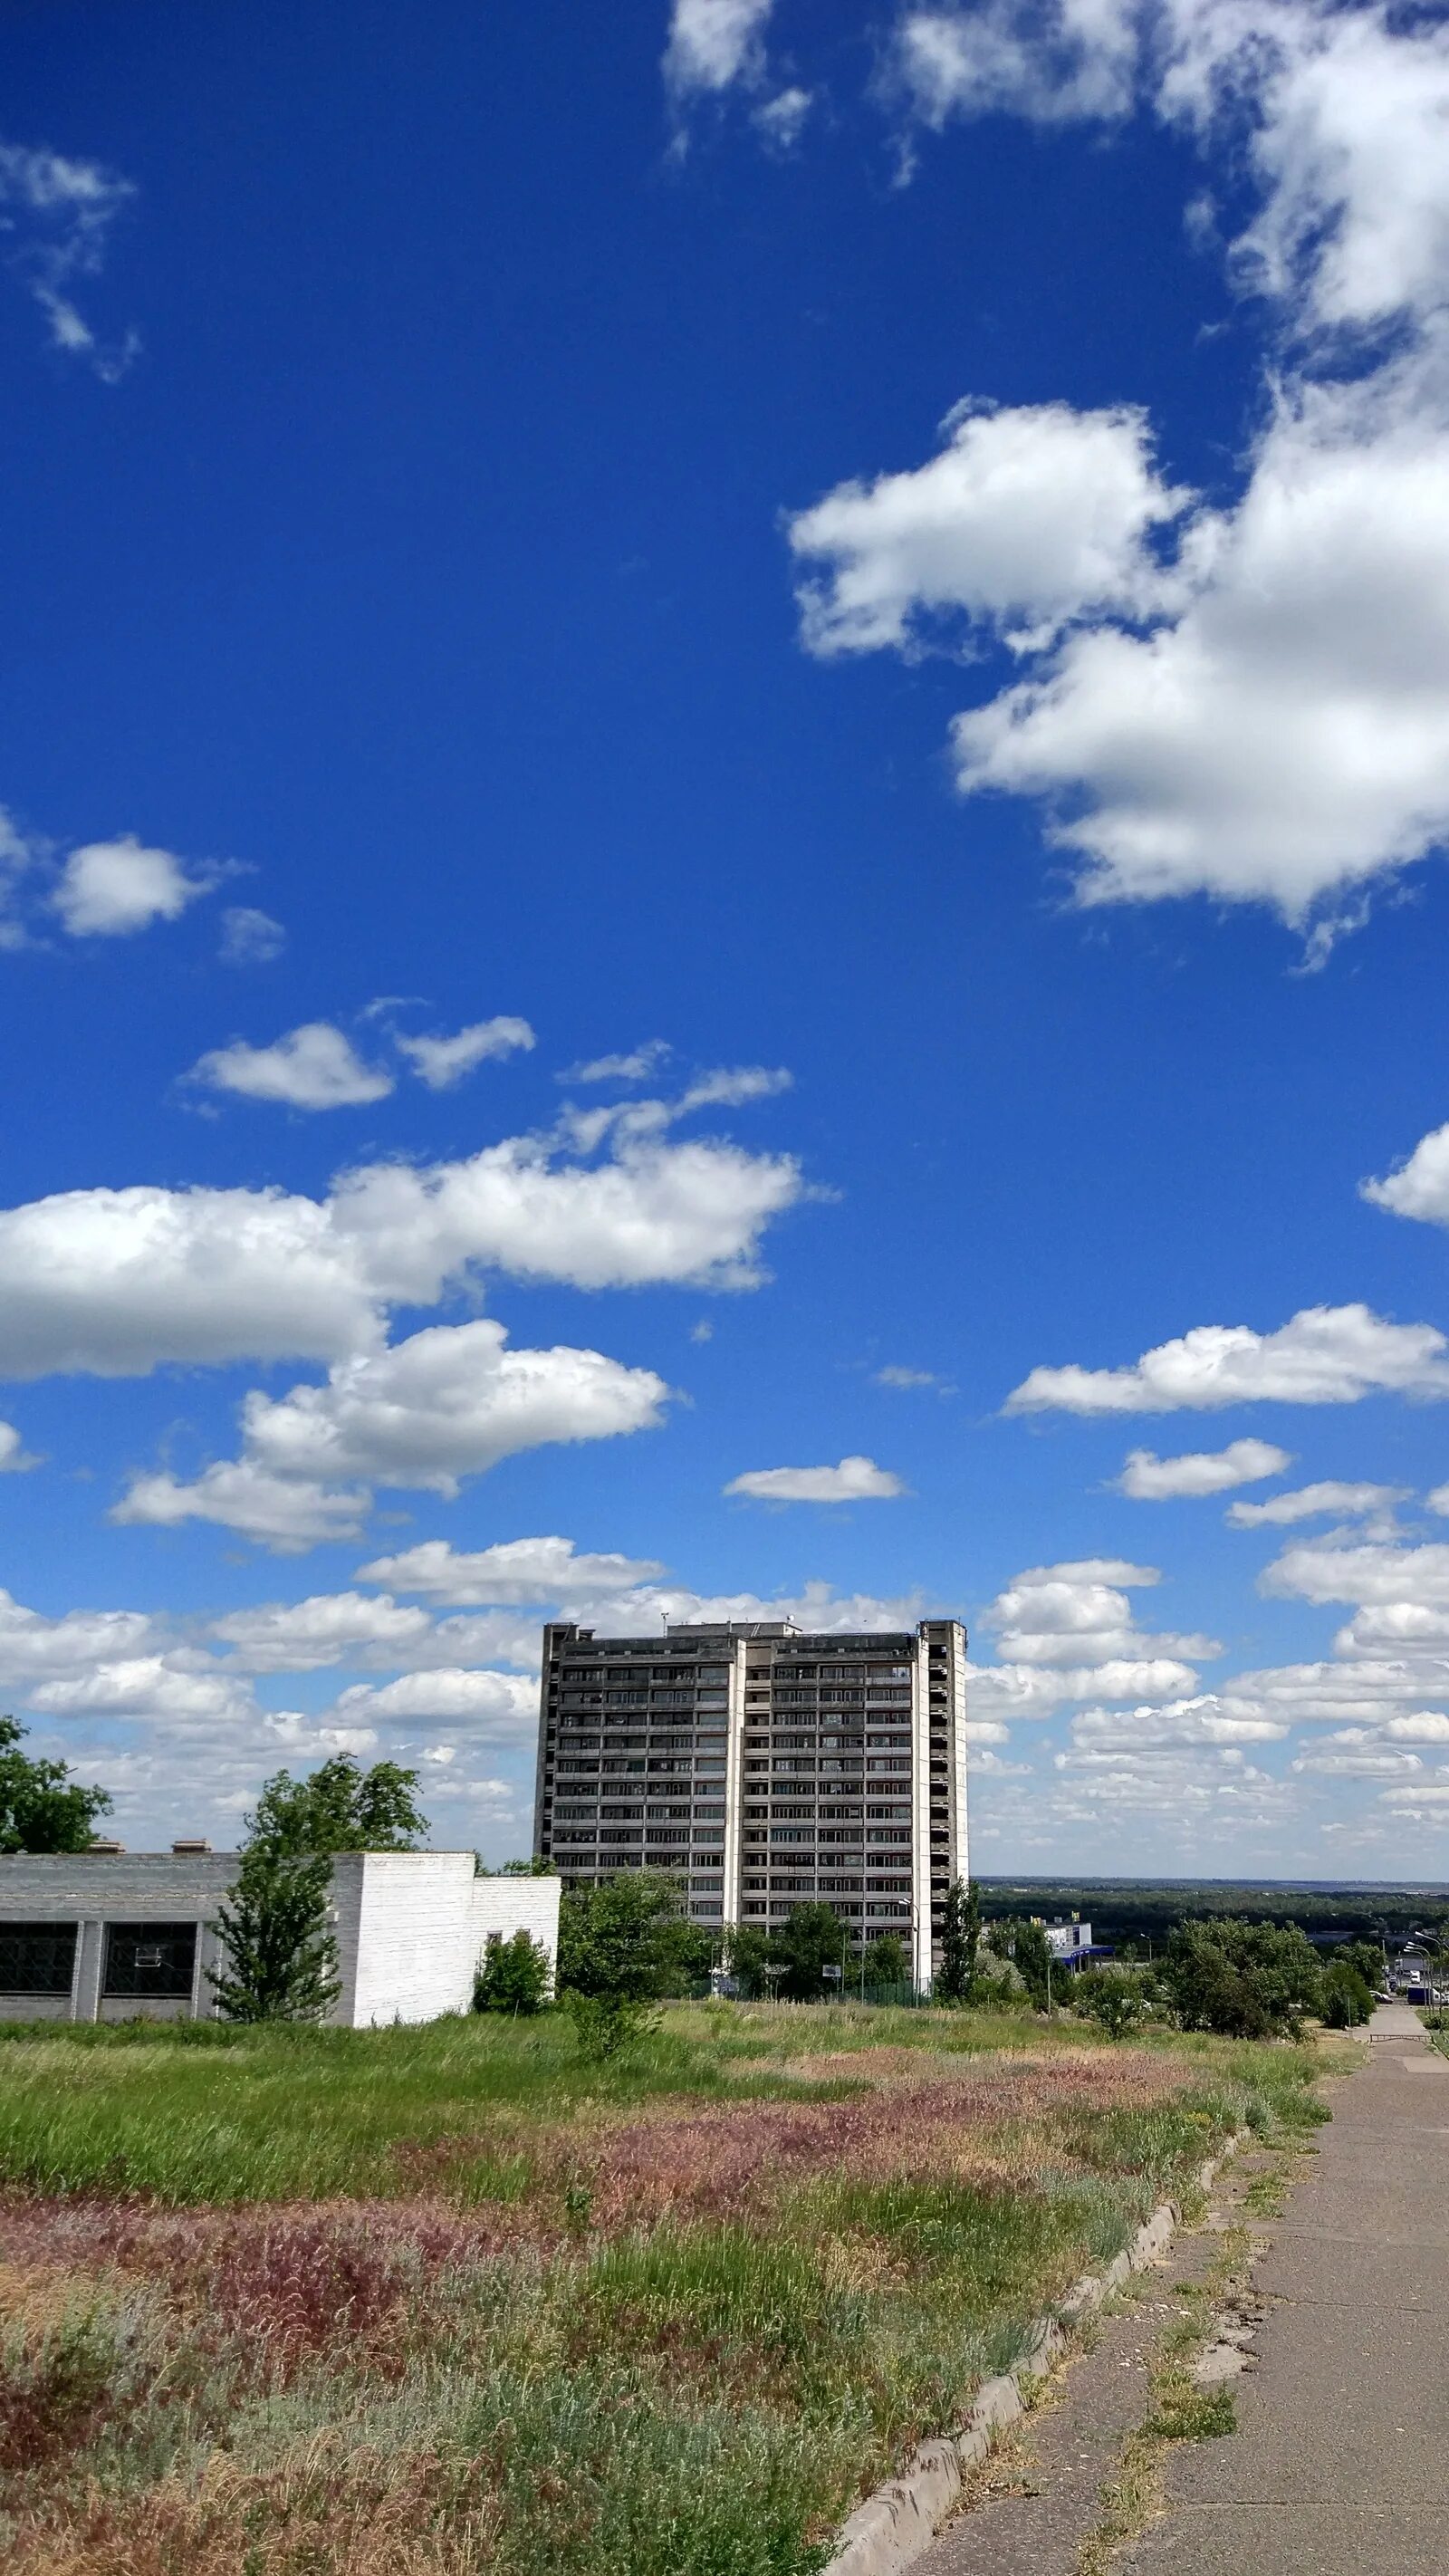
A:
(461, 2302)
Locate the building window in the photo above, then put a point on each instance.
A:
(37, 1958)
(149, 1958)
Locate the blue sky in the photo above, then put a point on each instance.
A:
(851, 601)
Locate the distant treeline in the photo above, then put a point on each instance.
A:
(1131, 1909)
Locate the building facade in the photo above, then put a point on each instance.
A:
(766, 1766)
(112, 1936)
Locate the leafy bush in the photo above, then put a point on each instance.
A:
(811, 1939)
(1347, 1997)
(1246, 1980)
(1026, 1946)
(513, 1977)
(886, 1963)
(629, 1938)
(1110, 1996)
(607, 2026)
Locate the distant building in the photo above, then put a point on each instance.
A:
(1069, 1942)
(107, 1936)
(1411, 1975)
(767, 1766)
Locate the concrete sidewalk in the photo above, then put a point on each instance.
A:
(1340, 2465)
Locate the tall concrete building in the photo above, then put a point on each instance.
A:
(766, 1766)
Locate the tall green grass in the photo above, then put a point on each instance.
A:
(700, 2396)
(276, 2114)
(206, 2112)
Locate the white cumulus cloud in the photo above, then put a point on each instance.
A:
(440, 1062)
(116, 1282)
(34, 1647)
(713, 43)
(1266, 724)
(250, 937)
(1149, 1479)
(111, 889)
(282, 1512)
(327, 1628)
(1323, 1355)
(15, 1460)
(449, 1402)
(515, 1570)
(1328, 1570)
(314, 1067)
(1345, 1501)
(138, 1686)
(1066, 1632)
(501, 1705)
(1209, 1718)
(1025, 519)
(1079, 1613)
(854, 1480)
(1419, 1186)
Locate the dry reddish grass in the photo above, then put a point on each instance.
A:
(345, 2510)
(263, 2298)
(294, 2280)
(721, 2163)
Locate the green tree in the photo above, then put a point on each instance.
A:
(339, 1808)
(960, 1943)
(280, 1957)
(41, 1808)
(1366, 1960)
(513, 1975)
(747, 1956)
(1347, 1998)
(1110, 1996)
(1027, 1947)
(811, 1939)
(621, 1938)
(686, 1955)
(885, 1962)
(1248, 1980)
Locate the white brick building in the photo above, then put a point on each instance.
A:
(105, 1936)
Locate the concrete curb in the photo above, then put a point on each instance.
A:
(900, 2521)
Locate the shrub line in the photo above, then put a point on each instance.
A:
(900, 2520)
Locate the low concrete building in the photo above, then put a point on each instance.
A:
(105, 1936)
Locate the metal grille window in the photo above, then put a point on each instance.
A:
(150, 1958)
(37, 1958)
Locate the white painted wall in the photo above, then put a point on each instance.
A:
(410, 1926)
(509, 1905)
(404, 1923)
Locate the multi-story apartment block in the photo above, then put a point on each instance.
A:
(767, 1767)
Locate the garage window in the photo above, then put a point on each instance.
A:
(149, 1958)
(37, 1958)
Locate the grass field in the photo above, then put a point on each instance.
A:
(439, 2301)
